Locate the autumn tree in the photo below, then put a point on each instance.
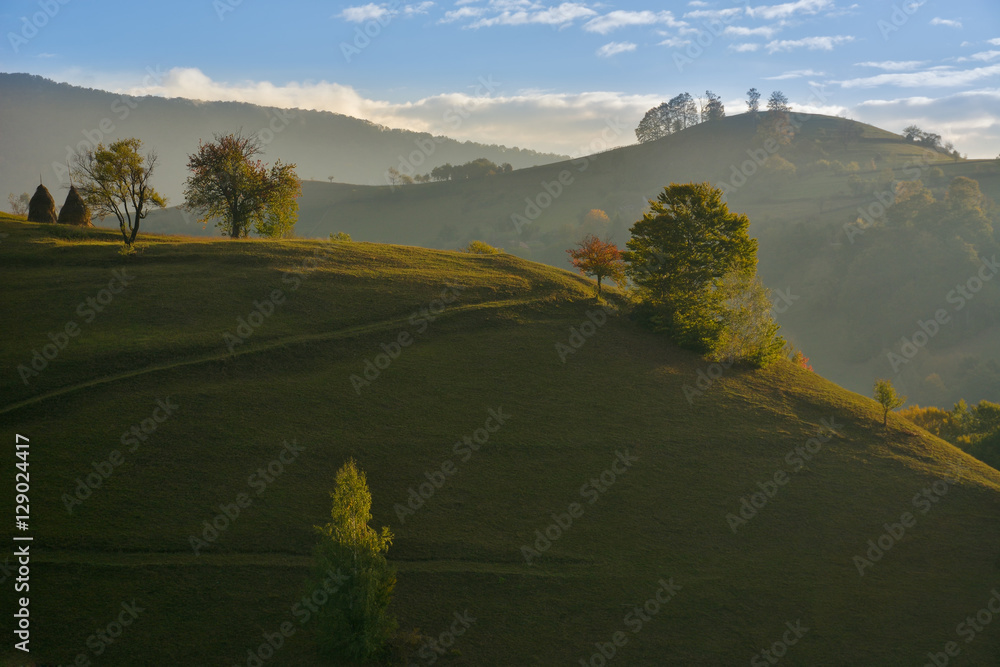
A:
(350, 564)
(115, 180)
(887, 397)
(228, 184)
(677, 257)
(396, 178)
(601, 259)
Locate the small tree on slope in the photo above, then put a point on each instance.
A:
(355, 622)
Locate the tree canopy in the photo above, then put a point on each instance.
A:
(229, 185)
(679, 256)
(887, 397)
(598, 258)
(478, 168)
(115, 180)
(355, 623)
(679, 113)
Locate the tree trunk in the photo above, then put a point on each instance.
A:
(135, 229)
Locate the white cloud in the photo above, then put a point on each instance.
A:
(995, 41)
(563, 123)
(744, 48)
(463, 13)
(983, 56)
(765, 31)
(788, 9)
(714, 14)
(363, 13)
(614, 48)
(515, 12)
(893, 65)
(794, 74)
(619, 19)
(675, 42)
(811, 43)
(931, 78)
(946, 22)
(420, 8)
(968, 119)
(380, 12)
(697, 3)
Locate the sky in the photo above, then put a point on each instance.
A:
(551, 76)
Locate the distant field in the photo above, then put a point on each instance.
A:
(161, 338)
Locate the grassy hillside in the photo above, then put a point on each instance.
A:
(846, 314)
(159, 340)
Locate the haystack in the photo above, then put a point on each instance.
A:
(42, 207)
(74, 211)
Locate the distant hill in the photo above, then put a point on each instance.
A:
(39, 119)
(555, 504)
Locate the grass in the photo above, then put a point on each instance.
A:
(493, 348)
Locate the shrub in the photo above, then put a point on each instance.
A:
(482, 248)
(341, 237)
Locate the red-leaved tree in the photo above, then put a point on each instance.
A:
(601, 259)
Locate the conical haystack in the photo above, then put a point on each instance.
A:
(74, 210)
(42, 207)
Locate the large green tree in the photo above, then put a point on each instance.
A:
(355, 622)
(114, 180)
(230, 185)
(677, 257)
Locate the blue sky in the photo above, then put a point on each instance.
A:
(537, 74)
